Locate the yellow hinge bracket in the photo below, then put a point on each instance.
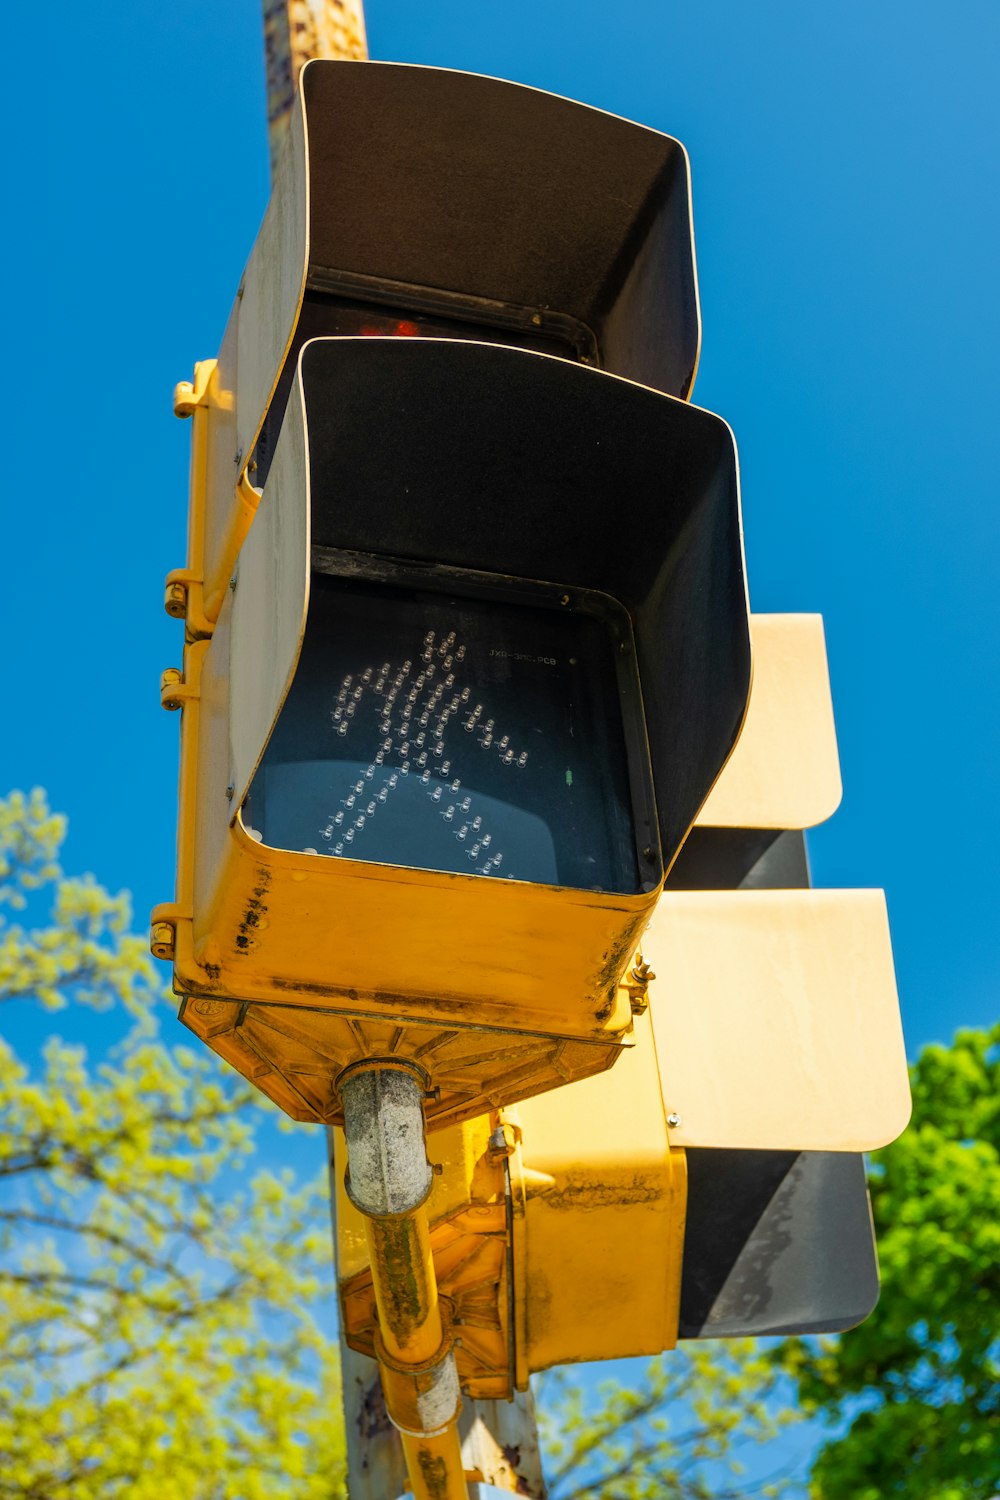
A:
(174, 691)
(163, 922)
(175, 595)
(190, 394)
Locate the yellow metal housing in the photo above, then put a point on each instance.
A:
(525, 954)
(527, 1001)
(599, 1201)
(254, 926)
(557, 1230)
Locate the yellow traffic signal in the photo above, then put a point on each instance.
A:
(615, 1216)
(447, 697)
(710, 1185)
(466, 621)
(467, 651)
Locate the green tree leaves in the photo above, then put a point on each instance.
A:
(921, 1379)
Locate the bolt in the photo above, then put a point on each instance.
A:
(238, 455)
(648, 854)
(499, 1146)
(230, 790)
(175, 600)
(232, 583)
(673, 1119)
(170, 678)
(161, 940)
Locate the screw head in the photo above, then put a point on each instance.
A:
(230, 789)
(673, 1119)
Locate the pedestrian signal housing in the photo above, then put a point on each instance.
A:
(485, 653)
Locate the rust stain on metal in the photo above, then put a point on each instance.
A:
(584, 1194)
(372, 997)
(256, 909)
(402, 1274)
(373, 1419)
(605, 1010)
(512, 1457)
(434, 1473)
(617, 958)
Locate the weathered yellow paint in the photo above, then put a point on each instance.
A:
(599, 1200)
(557, 1230)
(305, 941)
(399, 1250)
(413, 1344)
(184, 597)
(467, 1210)
(304, 930)
(434, 1466)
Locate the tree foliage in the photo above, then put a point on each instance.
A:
(683, 1431)
(156, 1341)
(920, 1381)
(155, 1334)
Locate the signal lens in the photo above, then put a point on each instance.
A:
(452, 733)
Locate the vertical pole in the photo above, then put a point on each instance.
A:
(499, 1438)
(294, 32)
(376, 1469)
(500, 1442)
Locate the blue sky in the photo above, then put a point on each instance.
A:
(847, 234)
(844, 166)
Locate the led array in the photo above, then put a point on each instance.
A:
(417, 706)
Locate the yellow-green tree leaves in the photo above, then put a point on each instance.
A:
(685, 1430)
(156, 1339)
